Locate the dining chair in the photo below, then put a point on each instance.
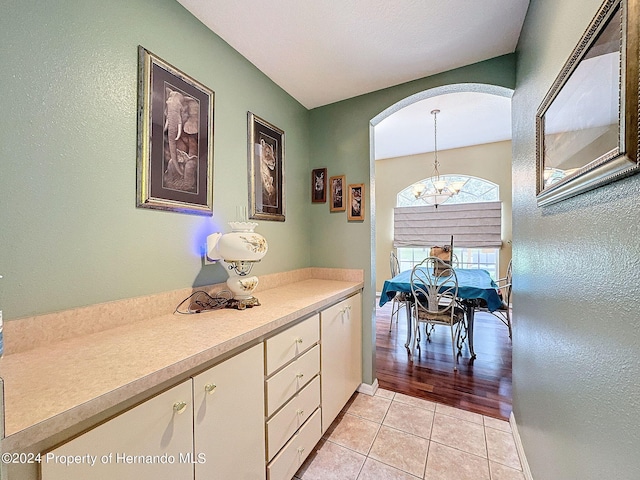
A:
(504, 289)
(400, 298)
(434, 288)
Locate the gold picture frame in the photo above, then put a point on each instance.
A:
(337, 193)
(175, 139)
(587, 124)
(355, 209)
(266, 170)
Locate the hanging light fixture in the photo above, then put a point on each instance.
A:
(436, 190)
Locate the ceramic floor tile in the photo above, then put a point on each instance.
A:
(458, 433)
(381, 392)
(501, 472)
(416, 402)
(458, 413)
(353, 432)
(410, 419)
(331, 462)
(502, 448)
(392, 429)
(400, 450)
(448, 463)
(374, 470)
(370, 407)
(497, 424)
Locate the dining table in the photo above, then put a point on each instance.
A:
(475, 288)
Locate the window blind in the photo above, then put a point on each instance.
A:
(473, 225)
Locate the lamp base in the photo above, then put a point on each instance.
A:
(242, 303)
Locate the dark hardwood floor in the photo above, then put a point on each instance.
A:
(482, 385)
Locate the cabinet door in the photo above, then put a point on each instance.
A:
(354, 360)
(152, 440)
(341, 355)
(229, 418)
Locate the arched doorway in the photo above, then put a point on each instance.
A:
(491, 160)
(393, 366)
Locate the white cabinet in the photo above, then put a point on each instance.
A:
(229, 418)
(212, 424)
(287, 345)
(290, 459)
(341, 355)
(292, 416)
(290, 380)
(257, 414)
(152, 440)
(292, 397)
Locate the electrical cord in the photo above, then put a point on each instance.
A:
(201, 301)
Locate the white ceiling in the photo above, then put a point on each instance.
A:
(325, 51)
(465, 119)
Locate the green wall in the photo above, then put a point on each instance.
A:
(70, 233)
(576, 343)
(340, 141)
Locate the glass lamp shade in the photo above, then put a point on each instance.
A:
(455, 187)
(440, 184)
(242, 243)
(436, 198)
(238, 251)
(418, 189)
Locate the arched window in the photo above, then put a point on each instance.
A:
(474, 190)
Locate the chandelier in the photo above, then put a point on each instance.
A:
(435, 191)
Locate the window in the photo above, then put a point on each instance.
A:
(484, 258)
(474, 190)
(469, 255)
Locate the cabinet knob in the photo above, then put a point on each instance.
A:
(179, 407)
(299, 340)
(300, 450)
(300, 375)
(210, 388)
(300, 412)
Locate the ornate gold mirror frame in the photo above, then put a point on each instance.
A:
(587, 124)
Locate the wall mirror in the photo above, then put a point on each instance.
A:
(587, 124)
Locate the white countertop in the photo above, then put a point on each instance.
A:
(57, 387)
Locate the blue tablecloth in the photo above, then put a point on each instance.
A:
(472, 284)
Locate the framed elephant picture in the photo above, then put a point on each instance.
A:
(175, 139)
(266, 170)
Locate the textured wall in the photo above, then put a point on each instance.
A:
(340, 141)
(576, 346)
(70, 233)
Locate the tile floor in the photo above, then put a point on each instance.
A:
(391, 436)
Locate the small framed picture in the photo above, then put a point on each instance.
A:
(336, 195)
(319, 185)
(355, 210)
(266, 170)
(175, 139)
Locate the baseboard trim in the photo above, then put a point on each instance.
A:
(369, 389)
(520, 448)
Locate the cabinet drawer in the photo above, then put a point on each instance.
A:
(290, 380)
(287, 421)
(287, 345)
(291, 457)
